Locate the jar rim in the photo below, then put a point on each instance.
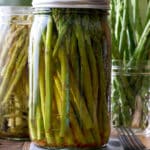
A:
(143, 68)
(15, 10)
(118, 62)
(93, 4)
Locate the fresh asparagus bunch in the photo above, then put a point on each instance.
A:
(130, 27)
(14, 42)
(69, 77)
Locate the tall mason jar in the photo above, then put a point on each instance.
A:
(69, 73)
(131, 95)
(15, 23)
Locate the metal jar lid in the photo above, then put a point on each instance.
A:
(95, 4)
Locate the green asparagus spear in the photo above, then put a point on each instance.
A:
(48, 81)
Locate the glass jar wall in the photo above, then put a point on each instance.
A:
(15, 23)
(69, 73)
(131, 95)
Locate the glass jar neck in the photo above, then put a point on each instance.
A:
(16, 15)
(142, 68)
(46, 10)
(15, 10)
(15, 2)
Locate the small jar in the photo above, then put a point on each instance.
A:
(15, 23)
(69, 73)
(130, 103)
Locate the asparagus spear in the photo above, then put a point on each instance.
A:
(42, 86)
(140, 47)
(16, 75)
(65, 92)
(94, 77)
(48, 81)
(85, 71)
(123, 30)
(10, 66)
(7, 48)
(40, 122)
(72, 119)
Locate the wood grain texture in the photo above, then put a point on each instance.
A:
(14, 145)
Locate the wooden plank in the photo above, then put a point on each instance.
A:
(14, 145)
(26, 146)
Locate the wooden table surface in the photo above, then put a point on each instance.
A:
(16, 145)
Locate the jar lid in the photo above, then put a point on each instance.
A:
(96, 4)
(15, 2)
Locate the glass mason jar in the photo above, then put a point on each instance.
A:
(15, 23)
(131, 95)
(69, 75)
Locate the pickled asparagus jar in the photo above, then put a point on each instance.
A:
(131, 95)
(15, 23)
(69, 74)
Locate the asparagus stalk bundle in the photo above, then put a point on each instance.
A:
(130, 27)
(69, 77)
(14, 77)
